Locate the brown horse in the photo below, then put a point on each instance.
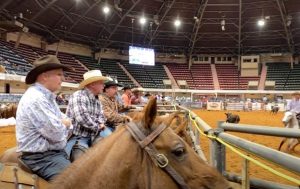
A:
(119, 161)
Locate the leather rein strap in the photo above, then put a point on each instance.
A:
(159, 159)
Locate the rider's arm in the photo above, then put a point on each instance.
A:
(79, 106)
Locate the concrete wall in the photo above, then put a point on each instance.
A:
(63, 46)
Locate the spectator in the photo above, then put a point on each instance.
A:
(41, 128)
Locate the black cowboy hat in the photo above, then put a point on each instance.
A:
(110, 83)
(43, 64)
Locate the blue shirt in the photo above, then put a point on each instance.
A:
(293, 106)
(38, 122)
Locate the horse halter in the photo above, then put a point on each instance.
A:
(159, 159)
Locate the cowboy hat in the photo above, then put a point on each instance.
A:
(110, 83)
(92, 76)
(43, 64)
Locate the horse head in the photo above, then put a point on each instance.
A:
(288, 118)
(119, 161)
(290, 121)
(228, 114)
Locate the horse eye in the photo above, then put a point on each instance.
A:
(179, 152)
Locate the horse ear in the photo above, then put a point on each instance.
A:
(150, 112)
(171, 118)
(181, 127)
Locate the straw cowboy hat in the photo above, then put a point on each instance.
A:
(92, 76)
(43, 64)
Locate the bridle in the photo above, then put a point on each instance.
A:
(159, 159)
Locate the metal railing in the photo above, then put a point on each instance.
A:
(220, 140)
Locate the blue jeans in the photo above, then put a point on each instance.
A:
(85, 142)
(46, 164)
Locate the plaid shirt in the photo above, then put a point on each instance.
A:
(86, 113)
(111, 110)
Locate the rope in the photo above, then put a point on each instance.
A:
(268, 168)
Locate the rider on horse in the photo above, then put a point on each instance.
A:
(294, 104)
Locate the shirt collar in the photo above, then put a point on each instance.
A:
(89, 93)
(110, 98)
(48, 94)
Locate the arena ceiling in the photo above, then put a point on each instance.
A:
(200, 32)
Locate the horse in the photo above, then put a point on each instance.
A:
(274, 109)
(290, 121)
(145, 153)
(232, 118)
(9, 110)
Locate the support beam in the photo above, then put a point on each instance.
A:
(5, 4)
(288, 33)
(43, 10)
(240, 35)
(169, 6)
(85, 13)
(108, 42)
(196, 28)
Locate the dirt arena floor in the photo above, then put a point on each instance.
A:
(234, 162)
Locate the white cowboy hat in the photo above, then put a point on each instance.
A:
(92, 76)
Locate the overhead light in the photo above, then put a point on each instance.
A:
(106, 9)
(155, 18)
(223, 24)
(177, 23)
(288, 20)
(142, 20)
(261, 22)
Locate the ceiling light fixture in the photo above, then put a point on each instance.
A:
(142, 20)
(261, 22)
(106, 9)
(177, 23)
(223, 25)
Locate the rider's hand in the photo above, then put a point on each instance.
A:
(66, 122)
(101, 126)
(127, 119)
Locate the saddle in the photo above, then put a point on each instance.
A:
(11, 174)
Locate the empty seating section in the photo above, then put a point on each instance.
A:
(90, 63)
(157, 73)
(77, 70)
(280, 73)
(111, 68)
(25, 51)
(202, 77)
(14, 63)
(147, 76)
(293, 82)
(229, 78)
(181, 72)
(18, 61)
(107, 67)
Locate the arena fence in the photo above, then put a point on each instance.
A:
(220, 141)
